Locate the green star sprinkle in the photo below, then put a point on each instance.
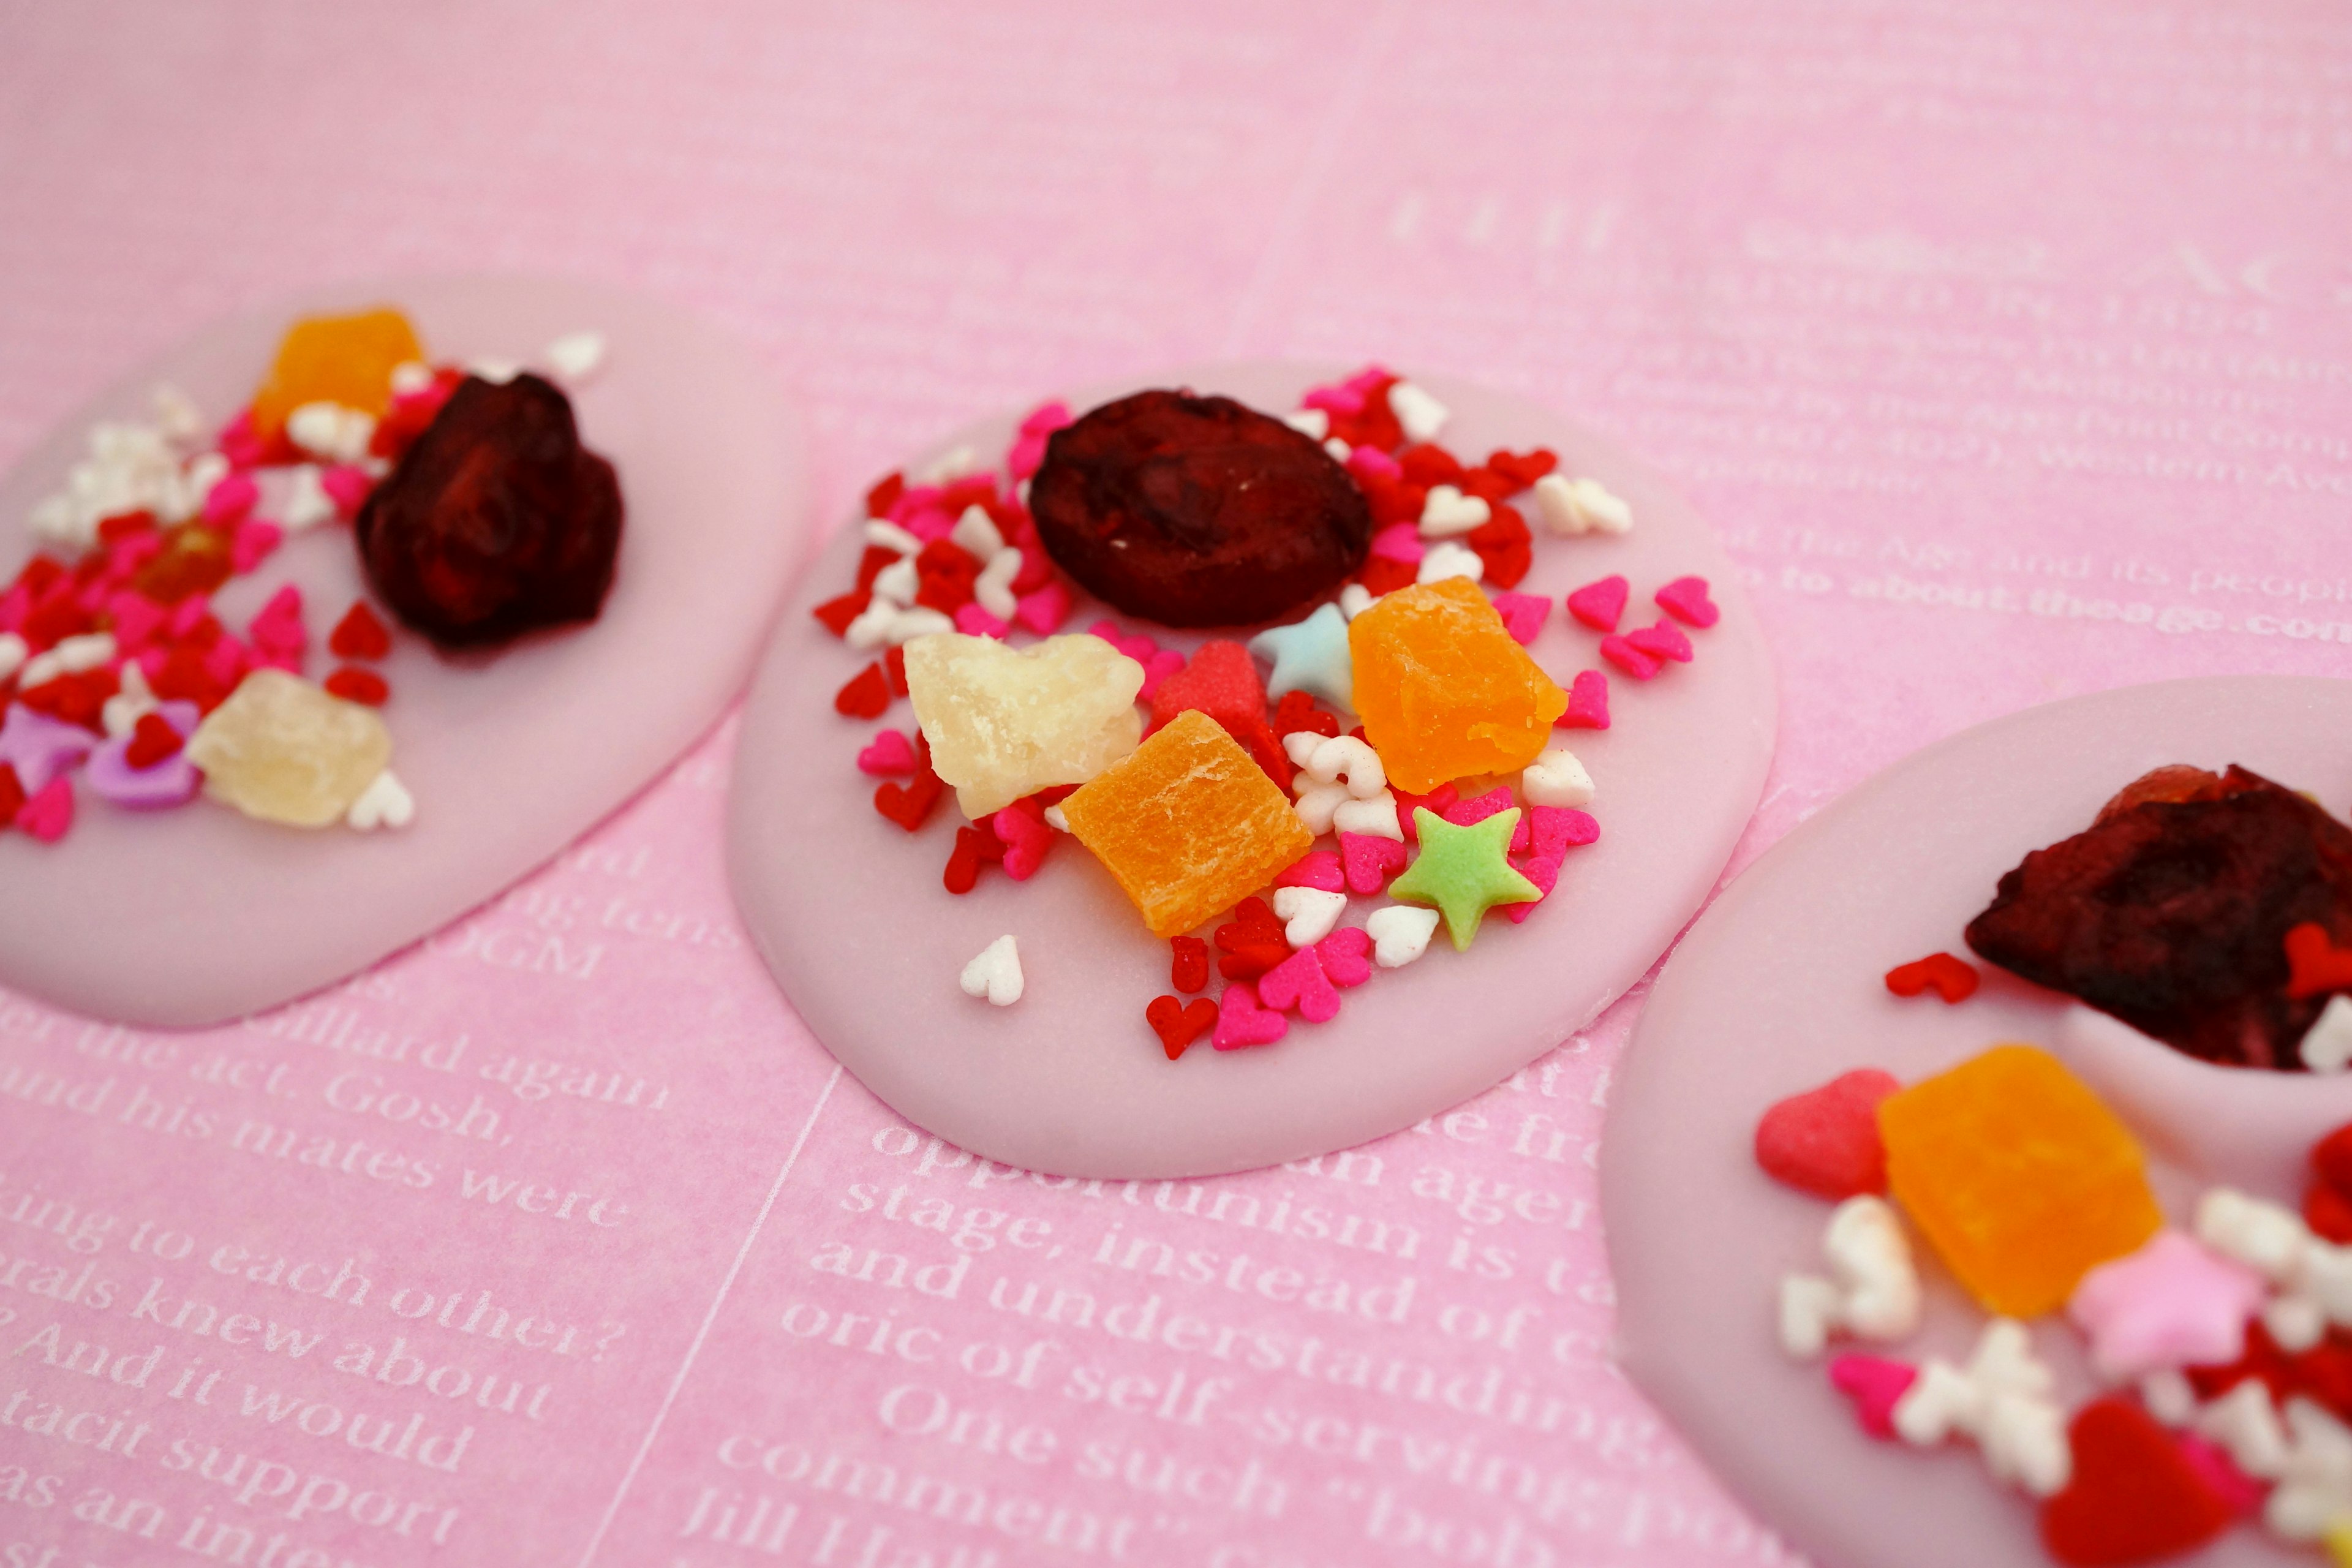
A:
(1462, 872)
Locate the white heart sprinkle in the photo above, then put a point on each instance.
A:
(1421, 415)
(1400, 933)
(1447, 559)
(1313, 423)
(1308, 914)
(975, 533)
(1448, 512)
(995, 973)
(575, 356)
(1374, 818)
(385, 802)
(1556, 778)
(1572, 507)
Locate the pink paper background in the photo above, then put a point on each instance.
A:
(2007, 343)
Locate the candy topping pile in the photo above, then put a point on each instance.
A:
(1390, 739)
(2219, 1340)
(483, 517)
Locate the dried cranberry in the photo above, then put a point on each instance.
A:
(1197, 511)
(2171, 913)
(496, 521)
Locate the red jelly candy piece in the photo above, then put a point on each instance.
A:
(1222, 681)
(1504, 546)
(496, 521)
(353, 684)
(152, 739)
(2133, 1497)
(1189, 970)
(1178, 1023)
(1825, 1141)
(1252, 942)
(837, 613)
(1953, 979)
(866, 695)
(1197, 511)
(1297, 711)
(359, 634)
(12, 794)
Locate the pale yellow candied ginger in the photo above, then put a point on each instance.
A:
(1443, 688)
(1006, 722)
(1189, 825)
(281, 750)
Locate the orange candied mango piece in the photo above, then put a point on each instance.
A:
(1188, 824)
(2019, 1176)
(335, 359)
(1444, 690)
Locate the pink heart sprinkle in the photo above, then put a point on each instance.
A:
(1135, 645)
(1046, 419)
(1630, 659)
(346, 485)
(1044, 610)
(225, 661)
(2240, 1491)
(15, 604)
(1025, 839)
(50, 812)
(125, 557)
(887, 754)
(1524, 614)
(1686, 599)
(239, 443)
(1371, 860)
(1242, 1022)
(1334, 399)
(1024, 457)
(252, 543)
(1600, 604)
(1157, 669)
(1319, 868)
(1366, 462)
(1467, 813)
(1875, 1385)
(230, 500)
(1300, 982)
(974, 621)
(1663, 640)
(1346, 952)
(278, 629)
(1557, 829)
(1400, 542)
(915, 499)
(1544, 872)
(1588, 702)
(1436, 800)
(1037, 570)
(188, 615)
(137, 618)
(931, 525)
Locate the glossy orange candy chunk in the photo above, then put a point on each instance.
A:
(2019, 1176)
(335, 359)
(1187, 824)
(1444, 690)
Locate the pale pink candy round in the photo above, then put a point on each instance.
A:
(1779, 986)
(196, 916)
(849, 912)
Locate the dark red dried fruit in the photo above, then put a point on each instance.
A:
(496, 521)
(2171, 913)
(1197, 511)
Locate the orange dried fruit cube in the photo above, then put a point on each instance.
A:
(347, 360)
(1188, 824)
(2019, 1176)
(1444, 689)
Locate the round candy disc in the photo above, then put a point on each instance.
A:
(850, 912)
(199, 914)
(1780, 988)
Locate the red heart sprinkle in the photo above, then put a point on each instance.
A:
(12, 794)
(868, 695)
(837, 613)
(359, 634)
(1297, 711)
(152, 740)
(975, 847)
(894, 664)
(1179, 1024)
(1189, 970)
(353, 684)
(1523, 469)
(2315, 965)
(1686, 599)
(1600, 604)
(1385, 575)
(1954, 979)
(909, 804)
(1825, 1141)
(885, 494)
(2132, 1495)
(1252, 942)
